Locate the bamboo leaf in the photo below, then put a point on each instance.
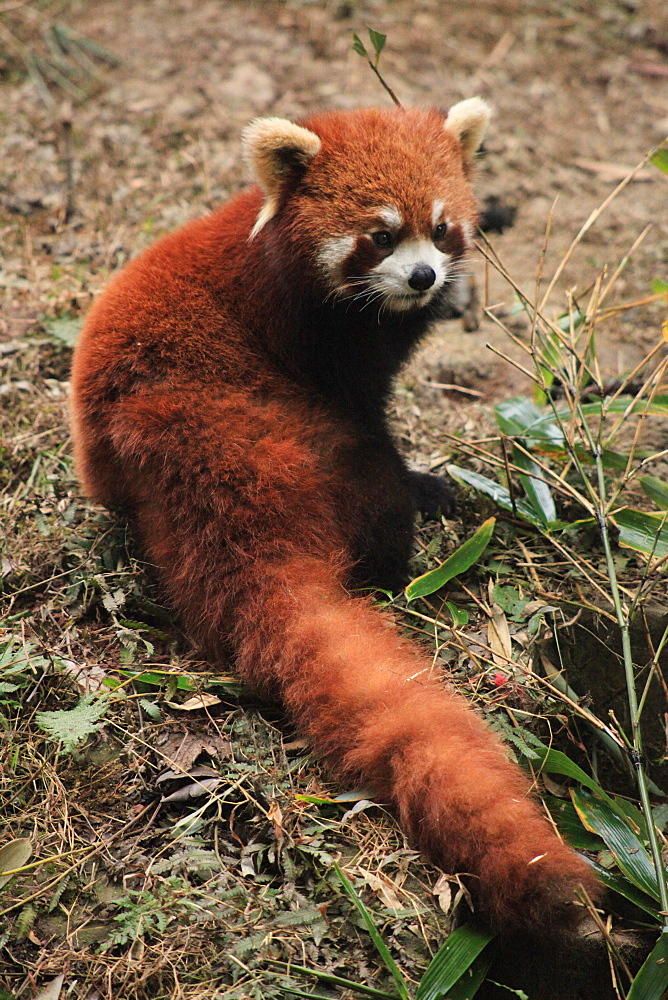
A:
(499, 494)
(656, 490)
(641, 531)
(374, 933)
(470, 982)
(330, 979)
(451, 962)
(621, 885)
(651, 982)
(520, 417)
(623, 842)
(538, 492)
(462, 559)
(570, 825)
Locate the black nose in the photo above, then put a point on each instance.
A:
(422, 278)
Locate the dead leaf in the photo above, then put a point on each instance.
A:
(384, 888)
(181, 749)
(359, 807)
(498, 637)
(194, 791)
(197, 702)
(443, 892)
(13, 855)
(275, 817)
(52, 990)
(202, 771)
(554, 788)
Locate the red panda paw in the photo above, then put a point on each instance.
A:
(537, 893)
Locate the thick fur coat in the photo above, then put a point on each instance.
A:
(229, 392)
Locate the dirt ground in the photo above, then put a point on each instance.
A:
(580, 95)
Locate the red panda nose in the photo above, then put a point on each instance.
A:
(422, 278)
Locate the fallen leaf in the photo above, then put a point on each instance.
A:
(443, 892)
(383, 888)
(52, 990)
(13, 855)
(194, 791)
(181, 749)
(197, 702)
(498, 637)
(275, 817)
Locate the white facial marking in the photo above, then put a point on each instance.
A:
(393, 272)
(469, 232)
(391, 217)
(437, 212)
(331, 256)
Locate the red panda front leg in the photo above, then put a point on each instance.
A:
(375, 711)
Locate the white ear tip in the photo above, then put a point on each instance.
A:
(266, 136)
(468, 122)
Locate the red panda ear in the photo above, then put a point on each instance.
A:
(468, 121)
(276, 149)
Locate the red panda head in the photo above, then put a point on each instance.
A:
(376, 203)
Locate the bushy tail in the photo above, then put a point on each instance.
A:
(378, 713)
(373, 707)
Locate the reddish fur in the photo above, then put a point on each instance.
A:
(252, 492)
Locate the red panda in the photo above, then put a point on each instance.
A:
(229, 391)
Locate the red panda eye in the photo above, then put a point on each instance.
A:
(440, 231)
(383, 239)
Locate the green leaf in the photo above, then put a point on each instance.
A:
(641, 531)
(556, 762)
(656, 490)
(65, 328)
(13, 855)
(660, 159)
(151, 709)
(659, 287)
(451, 961)
(374, 933)
(538, 492)
(567, 321)
(545, 426)
(651, 982)
(470, 982)
(462, 559)
(623, 842)
(460, 617)
(622, 886)
(570, 825)
(657, 407)
(358, 47)
(520, 417)
(377, 40)
(499, 494)
(332, 980)
(73, 726)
